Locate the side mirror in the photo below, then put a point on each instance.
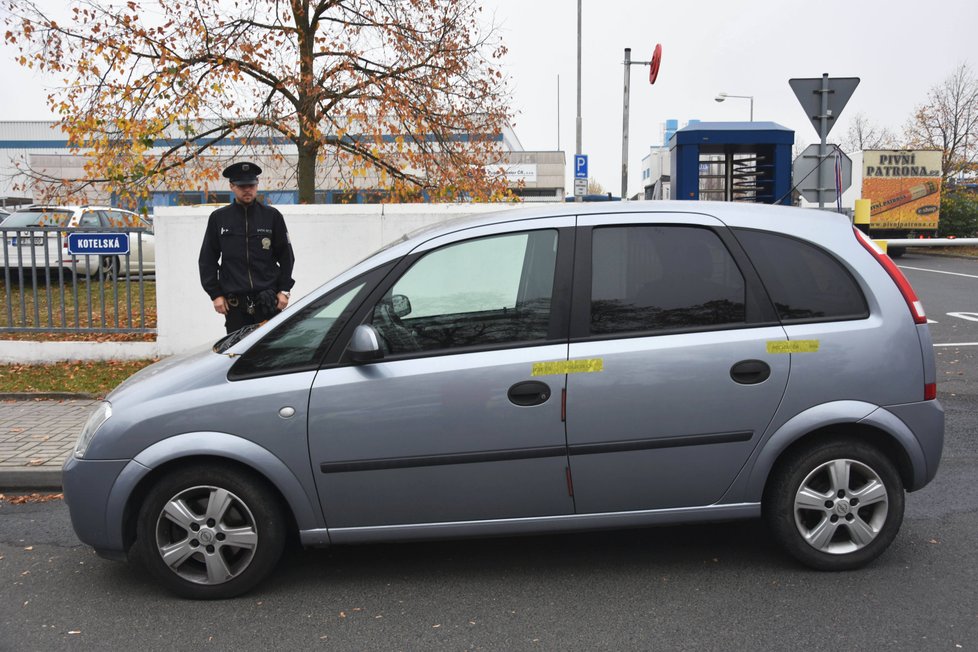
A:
(401, 305)
(365, 345)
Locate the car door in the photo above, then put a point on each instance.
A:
(680, 382)
(452, 424)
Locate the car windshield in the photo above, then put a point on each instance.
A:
(39, 217)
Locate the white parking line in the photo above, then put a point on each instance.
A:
(937, 271)
(958, 344)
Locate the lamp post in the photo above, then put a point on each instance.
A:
(722, 96)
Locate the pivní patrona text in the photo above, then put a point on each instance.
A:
(899, 165)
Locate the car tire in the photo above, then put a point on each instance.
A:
(210, 532)
(108, 268)
(835, 505)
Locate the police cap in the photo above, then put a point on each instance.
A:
(242, 172)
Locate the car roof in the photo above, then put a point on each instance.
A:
(736, 214)
(71, 207)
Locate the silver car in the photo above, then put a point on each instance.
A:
(541, 370)
(37, 237)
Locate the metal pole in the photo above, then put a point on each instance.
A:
(578, 150)
(558, 113)
(752, 108)
(823, 132)
(624, 129)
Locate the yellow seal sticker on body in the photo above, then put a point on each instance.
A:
(794, 346)
(559, 367)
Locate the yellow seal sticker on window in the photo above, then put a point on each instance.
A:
(560, 367)
(794, 346)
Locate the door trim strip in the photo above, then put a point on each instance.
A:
(513, 454)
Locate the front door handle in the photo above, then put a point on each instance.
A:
(529, 392)
(750, 372)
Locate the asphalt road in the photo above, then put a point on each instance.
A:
(711, 587)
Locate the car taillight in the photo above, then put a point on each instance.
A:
(930, 391)
(916, 308)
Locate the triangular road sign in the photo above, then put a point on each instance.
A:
(809, 93)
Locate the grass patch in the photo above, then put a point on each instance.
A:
(76, 377)
(92, 306)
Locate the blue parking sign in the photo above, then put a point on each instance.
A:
(98, 243)
(580, 166)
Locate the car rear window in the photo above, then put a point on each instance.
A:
(38, 218)
(805, 283)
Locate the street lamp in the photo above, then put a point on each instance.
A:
(722, 96)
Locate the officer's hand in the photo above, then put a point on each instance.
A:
(282, 300)
(221, 305)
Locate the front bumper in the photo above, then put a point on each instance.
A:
(97, 518)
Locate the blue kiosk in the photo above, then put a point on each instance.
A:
(732, 161)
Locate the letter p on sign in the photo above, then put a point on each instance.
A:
(580, 166)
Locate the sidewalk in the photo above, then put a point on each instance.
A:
(36, 436)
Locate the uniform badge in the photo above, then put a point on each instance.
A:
(266, 243)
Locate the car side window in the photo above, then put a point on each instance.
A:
(481, 292)
(121, 220)
(90, 218)
(655, 278)
(300, 343)
(805, 282)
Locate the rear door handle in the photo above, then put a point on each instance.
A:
(750, 372)
(529, 392)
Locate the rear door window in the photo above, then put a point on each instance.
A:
(655, 278)
(806, 283)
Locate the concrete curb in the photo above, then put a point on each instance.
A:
(47, 396)
(30, 478)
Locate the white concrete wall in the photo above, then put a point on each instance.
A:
(326, 238)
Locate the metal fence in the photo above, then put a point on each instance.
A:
(49, 289)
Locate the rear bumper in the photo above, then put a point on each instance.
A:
(926, 421)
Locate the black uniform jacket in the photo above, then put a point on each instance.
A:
(246, 250)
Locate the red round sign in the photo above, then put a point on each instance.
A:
(654, 66)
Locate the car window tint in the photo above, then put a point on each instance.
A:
(647, 278)
(480, 292)
(804, 282)
(301, 342)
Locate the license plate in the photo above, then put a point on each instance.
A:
(37, 241)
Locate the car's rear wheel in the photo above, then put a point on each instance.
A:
(835, 505)
(210, 532)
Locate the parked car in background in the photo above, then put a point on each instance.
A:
(36, 237)
(560, 368)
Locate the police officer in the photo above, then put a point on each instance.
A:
(246, 258)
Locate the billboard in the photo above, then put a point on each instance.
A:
(904, 188)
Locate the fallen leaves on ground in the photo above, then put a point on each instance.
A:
(30, 498)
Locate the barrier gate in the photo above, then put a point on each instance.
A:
(732, 161)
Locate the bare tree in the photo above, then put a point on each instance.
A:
(864, 134)
(948, 121)
(407, 93)
(594, 187)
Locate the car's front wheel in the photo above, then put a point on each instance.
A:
(835, 505)
(210, 532)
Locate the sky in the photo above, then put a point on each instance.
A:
(899, 50)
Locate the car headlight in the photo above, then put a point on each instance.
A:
(95, 421)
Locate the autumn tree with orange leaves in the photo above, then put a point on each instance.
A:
(405, 93)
